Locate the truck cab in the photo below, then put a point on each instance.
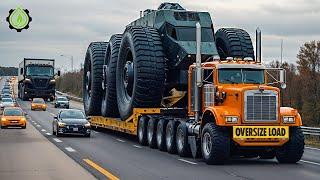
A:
(36, 79)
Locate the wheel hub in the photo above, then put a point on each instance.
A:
(207, 144)
(128, 77)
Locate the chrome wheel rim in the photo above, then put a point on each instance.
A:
(180, 138)
(207, 144)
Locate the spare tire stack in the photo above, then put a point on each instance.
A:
(126, 73)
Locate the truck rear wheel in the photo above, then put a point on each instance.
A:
(233, 42)
(171, 137)
(161, 134)
(215, 144)
(92, 78)
(183, 147)
(292, 151)
(140, 70)
(142, 130)
(152, 133)
(109, 107)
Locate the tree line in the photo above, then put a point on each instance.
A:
(302, 91)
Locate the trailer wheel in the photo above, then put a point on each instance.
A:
(292, 151)
(152, 133)
(215, 144)
(233, 42)
(142, 130)
(183, 147)
(92, 78)
(171, 137)
(161, 134)
(109, 107)
(140, 70)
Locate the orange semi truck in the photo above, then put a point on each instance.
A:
(228, 108)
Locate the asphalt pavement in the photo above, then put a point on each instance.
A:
(121, 156)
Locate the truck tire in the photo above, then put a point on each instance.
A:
(140, 70)
(161, 134)
(109, 107)
(92, 78)
(215, 144)
(292, 151)
(171, 130)
(183, 147)
(233, 42)
(142, 130)
(152, 132)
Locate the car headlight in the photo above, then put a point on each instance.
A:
(3, 119)
(87, 125)
(23, 119)
(232, 119)
(288, 119)
(60, 124)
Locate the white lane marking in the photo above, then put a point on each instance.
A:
(310, 162)
(186, 161)
(57, 140)
(43, 130)
(48, 134)
(38, 125)
(52, 114)
(70, 149)
(307, 147)
(96, 132)
(137, 146)
(120, 140)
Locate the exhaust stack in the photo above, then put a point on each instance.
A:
(258, 45)
(198, 77)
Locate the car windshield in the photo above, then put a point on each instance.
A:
(62, 99)
(70, 114)
(41, 101)
(239, 75)
(13, 112)
(7, 100)
(39, 71)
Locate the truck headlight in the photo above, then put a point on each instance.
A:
(52, 81)
(232, 119)
(288, 119)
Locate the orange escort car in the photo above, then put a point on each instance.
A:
(38, 103)
(13, 117)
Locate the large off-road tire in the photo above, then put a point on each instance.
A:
(92, 78)
(232, 42)
(171, 131)
(161, 134)
(140, 70)
(215, 144)
(152, 132)
(292, 151)
(183, 147)
(142, 130)
(109, 107)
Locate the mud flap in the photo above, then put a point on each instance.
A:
(193, 145)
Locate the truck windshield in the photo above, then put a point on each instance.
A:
(238, 76)
(39, 71)
(189, 34)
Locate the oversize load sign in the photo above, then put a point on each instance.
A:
(260, 132)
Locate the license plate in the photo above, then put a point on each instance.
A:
(75, 129)
(14, 121)
(260, 132)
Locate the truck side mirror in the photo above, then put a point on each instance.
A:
(58, 73)
(282, 80)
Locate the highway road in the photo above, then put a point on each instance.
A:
(111, 155)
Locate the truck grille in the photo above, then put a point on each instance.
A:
(261, 106)
(40, 83)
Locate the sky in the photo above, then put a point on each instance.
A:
(66, 27)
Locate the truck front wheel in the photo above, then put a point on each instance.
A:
(215, 144)
(292, 151)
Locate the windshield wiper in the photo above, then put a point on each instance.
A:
(228, 80)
